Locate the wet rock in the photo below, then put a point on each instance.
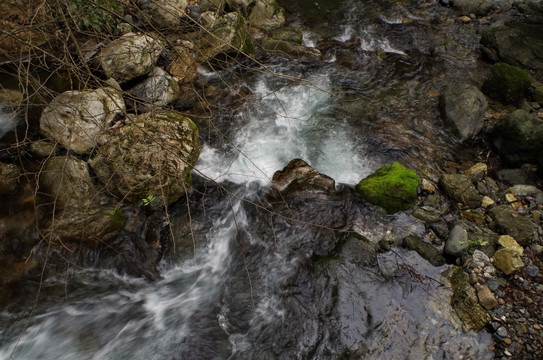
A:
(460, 188)
(393, 188)
(519, 45)
(507, 83)
(79, 119)
(465, 302)
(427, 214)
(501, 332)
(229, 35)
(508, 261)
(488, 187)
(477, 7)
(532, 271)
(298, 176)
(463, 106)
(150, 157)
(85, 224)
(290, 48)
(457, 243)
(165, 14)
(486, 297)
(267, 15)
(359, 251)
(424, 249)
(440, 229)
(517, 176)
(9, 178)
(130, 56)
(183, 67)
(44, 148)
(480, 259)
(527, 190)
(487, 202)
(11, 102)
(287, 33)
(511, 223)
(493, 284)
(477, 172)
(507, 241)
(66, 181)
(158, 90)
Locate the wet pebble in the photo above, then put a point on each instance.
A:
(493, 284)
(501, 332)
(532, 270)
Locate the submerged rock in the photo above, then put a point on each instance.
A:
(463, 106)
(460, 188)
(150, 157)
(519, 45)
(78, 119)
(518, 137)
(507, 83)
(392, 187)
(130, 56)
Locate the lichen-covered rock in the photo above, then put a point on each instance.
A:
(229, 35)
(519, 44)
(66, 181)
(509, 242)
(511, 223)
(267, 15)
(466, 303)
(393, 187)
(130, 56)
(183, 67)
(424, 249)
(9, 178)
(508, 260)
(150, 157)
(165, 14)
(460, 188)
(78, 119)
(507, 83)
(159, 89)
(518, 137)
(463, 106)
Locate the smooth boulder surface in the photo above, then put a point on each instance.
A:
(457, 243)
(520, 45)
(511, 223)
(424, 249)
(151, 157)
(130, 56)
(463, 106)
(267, 15)
(79, 119)
(165, 14)
(507, 83)
(393, 187)
(518, 137)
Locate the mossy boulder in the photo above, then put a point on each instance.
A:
(393, 187)
(466, 303)
(507, 83)
(151, 157)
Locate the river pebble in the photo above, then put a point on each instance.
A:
(502, 332)
(532, 270)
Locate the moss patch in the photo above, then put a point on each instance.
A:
(507, 83)
(394, 188)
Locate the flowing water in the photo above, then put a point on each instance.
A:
(247, 281)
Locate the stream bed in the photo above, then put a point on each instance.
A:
(250, 279)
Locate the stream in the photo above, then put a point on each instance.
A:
(250, 279)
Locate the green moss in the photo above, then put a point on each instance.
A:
(393, 188)
(507, 83)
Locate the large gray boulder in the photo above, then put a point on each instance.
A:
(514, 225)
(65, 180)
(165, 14)
(159, 89)
(518, 137)
(463, 106)
(519, 45)
(78, 119)
(130, 56)
(151, 157)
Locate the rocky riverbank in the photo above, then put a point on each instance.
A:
(93, 179)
